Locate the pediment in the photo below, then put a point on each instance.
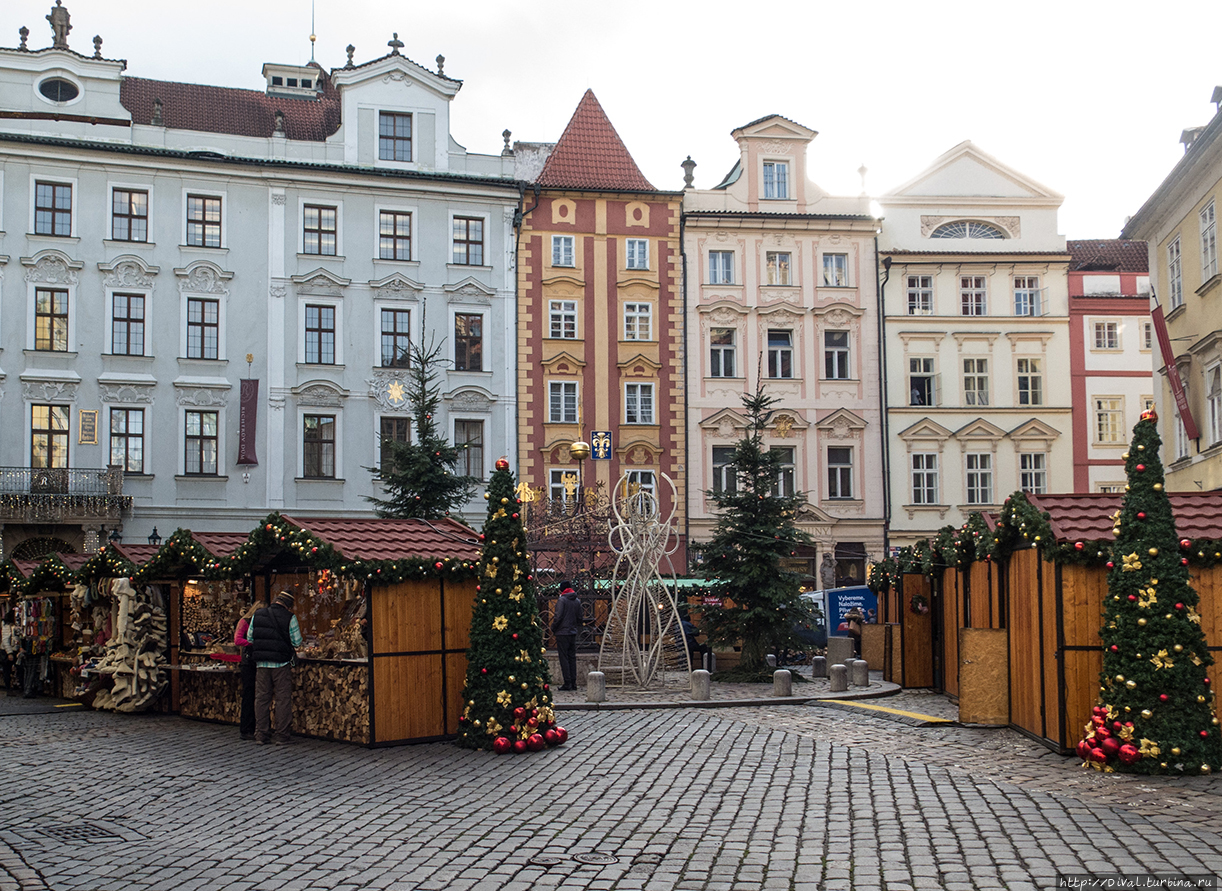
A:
(774, 127)
(570, 280)
(128, 271)
(1034, 429)
(639, 365)
(52, 267)
(203, 277)
(637, 281)
(470, 399)
(396, 285)
(926, 429)
(321, 282)
(563, 362)
(469, 287)
(726, 415)
(810, 514)
(968, 171)
(841, 419)
(319, 393)
(638, 452)
(394, 68)
(980, 429)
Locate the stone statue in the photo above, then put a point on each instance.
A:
(60, 24)
(827, 571)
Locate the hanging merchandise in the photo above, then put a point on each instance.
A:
(134, 657)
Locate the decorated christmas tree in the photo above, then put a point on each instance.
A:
(508, 700)
(1156, 711)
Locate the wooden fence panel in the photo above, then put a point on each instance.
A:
(986, 610)
(917, 635)
(953, 594)
(1023, 622)
(1207, 582)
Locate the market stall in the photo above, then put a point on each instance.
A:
(41, 604)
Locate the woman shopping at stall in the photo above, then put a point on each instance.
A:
(247, 666)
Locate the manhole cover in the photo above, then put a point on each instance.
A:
(79, 833)
(545, 860)
(595, 858)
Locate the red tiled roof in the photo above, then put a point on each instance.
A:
(590, 155)
(1110, 254)
(137, 553)
(1088, 517)
(379, 539)
(229, 110)
(72, 561)
(221, 544)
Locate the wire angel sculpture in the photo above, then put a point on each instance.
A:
(643, 638)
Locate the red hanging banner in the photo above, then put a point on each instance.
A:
(1173, 373)
(247, 418)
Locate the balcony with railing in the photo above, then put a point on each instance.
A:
(62, 494)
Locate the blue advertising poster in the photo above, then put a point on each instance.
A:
(841, 600)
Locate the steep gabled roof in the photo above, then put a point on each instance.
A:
(1108, 255)
(590, 155)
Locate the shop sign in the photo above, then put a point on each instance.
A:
(247, 417)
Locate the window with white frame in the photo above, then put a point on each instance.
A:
(836, 356)
(203, 328)
(924, 477)
(1114, 488)
(127, 439)
(637, 253)
(394, 235)
(319, 335)
(562, 319)
(721, 352)
(776, 179)
(319, 230)
(469, 440)
(51, 320)
(468, 341)
(394, 136)
(638, 321)
(1147, 336)
(1213, 403)
(786, 471)
(638, 404)
(979, 477)
(976, 381)
(202, 439)
(49, 435)
(972, 291)
(780, 353)
(53, 209)
(1175, 274)
(1030, 376)
(204, 221)
(1027, 295)
(1181, 433)
(967, 229)
(1033, 472)
(922, 382)
(1209, 243)
(1147, 403)
(127, 324)
(318, 447)
(1107, 335)
(129, 215)
(562, 487)
(920, 295)
(391, 429)
(562, 250)
(724, 479)
(1109, 420)
(642, 489)
(396, 338)
(836, 270)
(468, 241)
(777, 267)
(721, 267)
(839, 472)
(562, 402)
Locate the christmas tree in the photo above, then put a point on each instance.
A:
(508, 688)
(1156, 711)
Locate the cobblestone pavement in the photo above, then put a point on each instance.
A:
(795, 798)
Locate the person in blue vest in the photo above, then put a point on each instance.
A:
(274, 635)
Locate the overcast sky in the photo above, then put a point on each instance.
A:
(1088, 98)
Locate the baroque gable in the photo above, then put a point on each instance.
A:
(52, 267)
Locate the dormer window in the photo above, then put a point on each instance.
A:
(292, 82)
(277, 81)
(394, 136)
(967, 229)
(298, 81)
(776, 180)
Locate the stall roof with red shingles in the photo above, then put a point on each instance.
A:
(221, 544)
(590, 155)
(1088, 517)
(138, 553)
(72, 561)
(384, 539)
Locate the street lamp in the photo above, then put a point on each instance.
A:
(580, 450)
(115, 536)
(154, 539)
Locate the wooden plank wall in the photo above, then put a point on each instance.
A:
(917, 635)
(1082, 593)
(986, 603)
(1025, 677)
(407, 658)
(953, 595)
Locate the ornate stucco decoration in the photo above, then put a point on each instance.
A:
(319, 395)
(128, 272)
(839, 315)
(51, 268)
(320, 283)
(782, 294)
(470, 400)
(841, 424)
(469, 290)
(782, 317)
(389, 389)
(202, 277)
(396, 286)
(397, 77)
(127, 393)
(201, 397)
(1009, 225)
(278, 291)
(279, 199)
(40, 390)
(775, 147)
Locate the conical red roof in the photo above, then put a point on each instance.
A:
(590, 155)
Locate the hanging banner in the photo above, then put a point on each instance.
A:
(1173, 373)
(247, 417)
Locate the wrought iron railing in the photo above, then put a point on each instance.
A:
(50, 494)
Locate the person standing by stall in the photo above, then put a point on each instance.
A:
(566, 621)
(246, 665)
(274, 635)
(8, 647)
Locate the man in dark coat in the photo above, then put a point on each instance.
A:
(566, 620)
(275, 635)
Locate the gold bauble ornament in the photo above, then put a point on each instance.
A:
(504, 501)
(1157, 487)
(1153, 552)
(1116, 597)
(1141, 448)
(1127, 709)
(1126, 487)
(1179, 648)
(1204, 768)
(523, 686)
(1200, 699)
(1120, 679)
(1176, 751)
(1163, 765)
(1124, 457)
(1130, 684)
(1168, 616)
(1147, 714)
(1141, 622)
(512, 679)
(486, 496)
(471, 702)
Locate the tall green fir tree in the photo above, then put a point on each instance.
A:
(755, 531)
(1156, 711)
(418, 475)
(508, 705)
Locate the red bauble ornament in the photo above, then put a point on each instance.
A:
(1141, 468)
(1110, 746)
(502, 464)
(562, 733)
(483, 671)
(1132, 598)
(1185, 543)
(1163, 697)
(536, 743)
(1102, 733)
(547, 686)
(515, 636)
(1117, 726)
(515, 516)
(502, 746)
(1098, 710)
(1179, 606)
(1115, 649)
(519, 713)
(1110, 564)
(1141, 515)
(1083, 750)
(551, 737)
(519, 746)
(1149, 415)
(532, 722)
(1129, 754)
(438, 565)
(1207, 682)
(1097, 756)
(1183, 561)
(1079, 545)
(1204, 734)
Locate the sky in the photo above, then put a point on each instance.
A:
(1087, 98)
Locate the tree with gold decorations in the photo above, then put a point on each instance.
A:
(1156, 710)
(508, 705)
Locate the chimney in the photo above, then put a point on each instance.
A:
(1189, 136)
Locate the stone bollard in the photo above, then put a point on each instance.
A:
(771, 660)
(859, 673)
(840, 678)
(596, 687)
(818, 667)
(711, 659)
(701, 687)
(782, 683)
(839, 650)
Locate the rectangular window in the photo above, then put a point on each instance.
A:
(129, 215)
(1147, 335)
(721, 352)
(51, 320)
(839, 472)
(786, 472)
(127, 325)
(394, 235)
(203, 328)
(1107, 336)
(127, 439)
(469, 440)
(1213, 401)
(201, 442)
(921, 389)
(49, 435)
(1030, 382)
(1109, 419)
(391, 430)
(320, 335)
(780, 353)
(468, 241)
(778, 267)
(562, 402)
(1033, 472)
(562, 250)
(836, 270)
(1209, 243)
(979, 478)
(724, 479)
(971, 294)
(776, 179)
(1027, 295)
(924, 478)
(638, 253)
(468, 341)
(975, 381)
(920, 295)
(1175, 274)
(318, 447)
(319, 226)
(642, 489)
(394, 136)
(836, 355)
(396, 338)
(562, 486)
(721, 267)
(203, 221)
(53, 209)
(1181, 437)
(638, 404)
(562, 319)
(638, 321)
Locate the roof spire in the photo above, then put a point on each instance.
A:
(313, 35)
(395, 44)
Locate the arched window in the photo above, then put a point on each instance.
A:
(967, 229)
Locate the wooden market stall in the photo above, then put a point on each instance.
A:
(41, 605)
